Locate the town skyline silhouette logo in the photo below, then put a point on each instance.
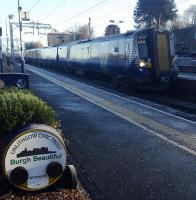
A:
(35, 151)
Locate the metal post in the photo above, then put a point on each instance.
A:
(33, 28)
(1, 62)
(74, 35)
(89, 27)
(37, 26)
(11, 38)
(20, 30)
(7, 42)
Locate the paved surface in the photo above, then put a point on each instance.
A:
(122, 149)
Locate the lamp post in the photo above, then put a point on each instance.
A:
(7, 39)
(116, 24)
(89, 27)
(20, 30)
(11, 37)
(1, 63)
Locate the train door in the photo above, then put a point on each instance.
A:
(127, 53)
(103, 57)
(163, 58)
(68, 57)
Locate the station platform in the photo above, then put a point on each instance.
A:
(122, 149)
(187, 76)
(186, 64)
(187, 68)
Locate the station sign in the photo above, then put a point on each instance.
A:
(35, 159)
(25, 16)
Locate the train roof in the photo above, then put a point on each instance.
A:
(98, 38)
(110, 37)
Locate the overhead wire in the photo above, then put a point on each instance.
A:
(80, 13)
(114, 11)
(106, 23)
(54, 10)
(118, 10)
(98, 7)
(104, 16)
(34, 5)
(90, 8)
(85, 14)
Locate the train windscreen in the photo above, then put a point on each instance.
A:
(142, 47)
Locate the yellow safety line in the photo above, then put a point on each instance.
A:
(156, 128)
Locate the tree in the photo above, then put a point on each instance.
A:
(84, 32)
(187, 19)
(154, 13)
(112, 29)
(33, 45)
(81, 32)
(190, 15)
(180, 22)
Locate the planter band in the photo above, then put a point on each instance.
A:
(35, 158)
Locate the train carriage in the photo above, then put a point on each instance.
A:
(144, 57)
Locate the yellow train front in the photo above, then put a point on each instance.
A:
(153, 59)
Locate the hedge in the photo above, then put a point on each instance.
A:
(19, 107)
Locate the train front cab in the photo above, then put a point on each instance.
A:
(155, 56)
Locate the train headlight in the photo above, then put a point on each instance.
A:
(142, 64)
(21, 83)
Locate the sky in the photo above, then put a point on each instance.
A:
(68, 14)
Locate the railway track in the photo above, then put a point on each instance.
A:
(169, 101)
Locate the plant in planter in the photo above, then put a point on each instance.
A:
(34, 156)
(20, 107)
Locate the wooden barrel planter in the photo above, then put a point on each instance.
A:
(34, 158)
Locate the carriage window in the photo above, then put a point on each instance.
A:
(127, 52)
(116, 49)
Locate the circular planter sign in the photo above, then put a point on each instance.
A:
(35, 158)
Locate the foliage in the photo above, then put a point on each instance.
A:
(33, 45)
(81, 32)
(187, 19)
(179, 22)
(154, 13)
(190, 15)
(84, 32)
(19, 107)
(112, 29)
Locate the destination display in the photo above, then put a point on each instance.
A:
(35, 159)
